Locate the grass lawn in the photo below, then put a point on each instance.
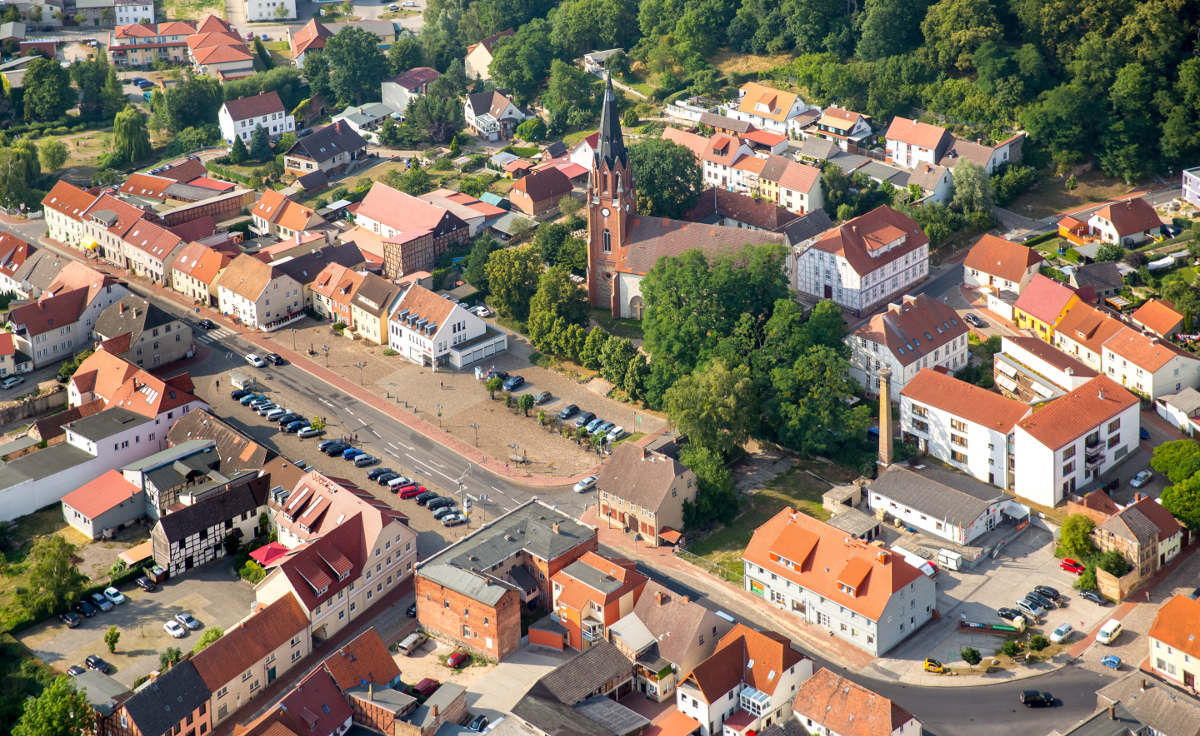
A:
(20, 540)
(631, 328)
(1049, 196)
(192, 9)
(21, 675)
(723, 547)
(281, 52)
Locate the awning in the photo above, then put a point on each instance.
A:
(90, 245)
(669, 535)
(137, 553)
(269, 554)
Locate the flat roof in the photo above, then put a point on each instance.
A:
(104, 424)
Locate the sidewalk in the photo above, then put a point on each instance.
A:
(301, 361)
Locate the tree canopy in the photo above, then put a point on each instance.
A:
(356, 65)
(59, 710)
(667, 177)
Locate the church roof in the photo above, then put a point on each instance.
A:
(652, 238)
(612, 145)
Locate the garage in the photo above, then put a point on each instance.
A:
(492, 342)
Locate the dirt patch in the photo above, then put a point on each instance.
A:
(728, 61)
(193, 9)
(1051, 197)
(431, 662)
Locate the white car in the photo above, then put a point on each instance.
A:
(586, 484)
(255, 361)
(1061, 634)
(616, 433)
(11, 381)
(174, 629)
(482, 311)
(114, 595)
(1142, 478)
(187, 620)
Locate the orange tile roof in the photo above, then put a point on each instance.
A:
(246, 276)
(1088, 326)
(1069, 417)
(917, 133)
(424, 303)
(577, 591)
(311, 36)
(201, 262)
(674, 723)
(860, 240)
(999, 257)
(818, 553)
(691, 141)
(1130, 216)
(148, 395)
(913, 329)
(364, 660)
(1176, 625)
(962, 399)
(1145, 351)
(743, 655)
(212, 23)
(777, 102)
(175, 28)
(68, 199)
(338, 284)
(13, 253)
(1044, 299)
(764, 137)
(154, 240)
(250, 641)
(722, 149)
(146, 185)
(209, 39)
(799, 177)
(753, 164)
(134, 30)
(102, 373)
(101, 494)
(846, 708)
(221, 54)
(1158, 316)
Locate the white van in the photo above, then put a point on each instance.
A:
(411, 643)
(1109, 632)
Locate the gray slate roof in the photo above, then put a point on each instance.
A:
(483, 588)
(1187, 401)
(818, 148)
(327, 142)
(612, 715)
(168, 699)
(1101, 276)
(133, 315)
(809, 226)
(443, 698)
(1133, 525)
(938, 493)
(592, 577)
(103, 693)
(247, 493)
(639, 476)
(1159, 706)
(540, 709)
(41, 464)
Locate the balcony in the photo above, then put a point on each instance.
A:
(1092, 463)
(1096, 452)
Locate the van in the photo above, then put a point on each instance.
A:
(398, 481)
(1109, 632)
(949, 559)
(411, 643)
(364, 460)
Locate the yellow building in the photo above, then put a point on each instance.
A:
(1042, 305)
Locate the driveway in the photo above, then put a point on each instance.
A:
(495, 693)
(211, 594)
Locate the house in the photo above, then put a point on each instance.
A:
(1181, 409)
(495, 573)
(909, 143)
(332, 291)
(1042, 305)
(276, 214)
(315, 707)
(479, 56)
(14, 252)
(998, 265)
(1174, 652)
(622, 245)
(59, 323)
(245, 290)
(141, 42)
(106, 223)
(539, 191)
(141, 333)
(794, 186)
(848, 129)
(133, 11)
(250, 655)
(720, 161)
(594, 61)
(371, 308)
(175, 477)
(365, 119)
(988, 157)
(241, 116)
(1148, 365)
(748, 683)
(402, 89)
(149, 250)
(365, 660)
(195, 270)
(694, 142)
(120, 383)
(1095, 282)
(103, 505)
(1144, 706)
(1070, 442)
(238, 452)
(63, 207)
(918, 332)
(270, 10)
(940, 502)
(1159, 317)
(176, 701)
(591, 594)
(310, 37)
(1126, 223)
(413, 233)
(1082, 332)
(967, 427)
(828, 703)
(303, 264)
(1190, 184)
(860, 593)
(218, 50)
(863, 262)
(330, 150)
(476, 213)
(643, 492)
(13, 362)
(771, 109)
(729, 209)
(196, 534)
(1031, 371)
(936, 183)
(492, 116)
(102, 692)
(583, 153)
(1145, 534)
(429, 330)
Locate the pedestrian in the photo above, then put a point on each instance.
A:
(441, 384)
(218, 383)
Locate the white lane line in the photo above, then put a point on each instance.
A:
(393, 445)
(326, 403)
(393, 454)
(349, 411)
(372, 431)
(407, 446)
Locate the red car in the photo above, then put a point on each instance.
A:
(412, 491)
(458, 660)
(1071, 566)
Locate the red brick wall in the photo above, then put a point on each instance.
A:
(445, 612)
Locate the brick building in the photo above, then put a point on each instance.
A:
(413, 232)
(473, 592)
(593, 593)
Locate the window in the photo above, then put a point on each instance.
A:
(958, 457)
(959, 440)
(958, 426)
(1068, 468)
(1069, 453)
(607, 241)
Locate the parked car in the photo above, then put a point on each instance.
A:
(1062, 633)
(586, 484)
(255, 361)
(542, 397)
(1051, 593)
(245, 400)
(325, 443)
(238, 393)
(335, 449)
(275, 359)
(1141, 478)
(616, 433)
(376, 472)
(70, 619)
(453, 519)
(425, 498)
(295, 426)
(364, 460)
(289, 417)
(84, 608)
(1008, 614)
(1041, 600)
(1071, 566)
(412, 610)
(11, 381)
(114, 595)
(482, 311)
(1029, 610)
(1036, 699)
(1111, 661)
(207, 324)
(425, 687)
(309, 432)
(187, 620)
(265, 408)
(175, 629)
(478, 724)
(99, 601)
(145, 583)
(512, 383)
(412, 491)
(95, 663)
(75, 670)
(932, 665)
(385, 477)
(584, 418)
(974, 321)
(439, 502)
(1098, 599)
(458, 660)
(568, 411)
(443, 511)
(276, 414)
(602, 428)
(497, 373)
(352, 452)
(592, 424)
(398, 482)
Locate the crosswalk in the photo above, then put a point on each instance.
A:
(213, 336)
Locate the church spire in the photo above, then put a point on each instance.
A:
(611, 147)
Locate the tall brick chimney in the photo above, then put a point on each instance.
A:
(885, 417)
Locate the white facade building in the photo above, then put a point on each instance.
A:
(270, 10)
(134, 11)
(257, 294)
(1147, 365)
(916, 333)
(239, 118)
(429, 330)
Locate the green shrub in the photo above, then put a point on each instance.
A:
(389, 352)
(252, 572)
(1038, 642)
(1012, 647)
(971, 655)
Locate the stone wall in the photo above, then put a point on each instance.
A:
(35, 406)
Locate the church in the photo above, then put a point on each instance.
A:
(622, 245)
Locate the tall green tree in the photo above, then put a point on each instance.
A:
(572, 97)
(1075, 536)
(583, 25)
(438, 114)
(94, 78)
(405, 54)
(475, 272)
(195, 101)
(808, 407)
(955, 29)
(52, 154)
(238, 153)
(716, 499)
(714, 407)
(667, 176)
(59, 710)
(131, 139)
(316, 71)
(1177, 459)
(513, 275)
(260, 144)
(52, 580)
(521, 62)
(47, 90)
(890, 27)
(356, 65)
(972, 189)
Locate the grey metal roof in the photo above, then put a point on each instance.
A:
(170, 455)
(390, 698)
(422, 716)
(246, 493)
(579, 678)
(106, 423)
(540, 709)
(612, 715)
(1159, 706)
(42, 464)
(883, 172)
(1120, 722)
(592, 577)
(848, 162)
(103, 693)
(529, 527)
(1186, 401)
(818, 148)
(485, 589)
(633, 633)
(1133, 525)
(809, 226)
(168, 699)
(941, 494)
(853, 522)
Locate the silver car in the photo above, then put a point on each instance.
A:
(1030, 609)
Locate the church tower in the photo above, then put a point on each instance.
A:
(611, 208)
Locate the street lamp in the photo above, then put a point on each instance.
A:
(439, 412)
(293, 339)
(326, 349)
(361, 364)
(475, 427)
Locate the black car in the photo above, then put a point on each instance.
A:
(425, 498)
(145, 583)
(288, 418)
(274, 359)
(336, 449)
(1049, 593)
(412, 611)
(497, 373)
(75, 670)
(1008, 614)
(238, 393)
(1035, 699)
(568, 411)
(95, 663)
(437, 503)
(383, 478)
(207, 324)
(512, 383)
(70, 619)
(478, 724)
(86, 608)
(376, 472)
(584, 418)
(1098, 599)
(295, 425)
(325, 443)
(1041, 600)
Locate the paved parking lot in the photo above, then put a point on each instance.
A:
(211, 594)
(496, 692)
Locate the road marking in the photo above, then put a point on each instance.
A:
(393, 445)
(407, 446)
(349, 410)
(326, 403)
(372, 431)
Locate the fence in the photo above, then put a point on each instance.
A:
(734, 572)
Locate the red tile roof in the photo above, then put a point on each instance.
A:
(722, 149)
(962, 399)
(1069, 417)
(311, 36)
(123, 213)
(1003, 258)
(691, 141)
(544, 184)
(577, 592)
(101, 494)
(846, 708)
(743, 655)
(1158, 316)
(338, 284)
(212, 23)
(201, 262)
(398, 210)
(916, 327)
(1145, 351)
(1176, 624)
(1044, 299)
(316, 571)
(917, 133)
(223, 55)
(1131, 216)
(13, 252)
(7, 345)
(155, 240)
(176, 28)
(146, 185)
(490, 41)
(364, 660)
(314, 707)
(765, 137)
(862, 241)
(1087, 326)
(68, 199)
(102, 373)
(250, 641)
(50, 312)
(417, 77)
(1168, 526)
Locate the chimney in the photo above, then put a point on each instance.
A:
(120, 307)
(1112, 712)
(434, 711)
(371, 691)
(885, 417)
(1143, 684)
